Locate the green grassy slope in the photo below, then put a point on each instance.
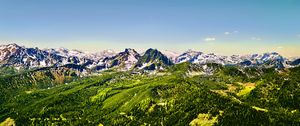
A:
(175, 98)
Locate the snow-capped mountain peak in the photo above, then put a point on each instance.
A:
(19, 56)
(171, 54)
(188, 56)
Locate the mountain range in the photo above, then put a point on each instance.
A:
(21, 57)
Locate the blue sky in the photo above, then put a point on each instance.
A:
(220, 26)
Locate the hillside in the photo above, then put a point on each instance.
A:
(228, 95)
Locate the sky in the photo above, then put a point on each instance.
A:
(213, 26)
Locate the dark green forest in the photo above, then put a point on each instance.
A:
(179, 95)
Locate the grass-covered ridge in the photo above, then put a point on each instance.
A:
(228, 96)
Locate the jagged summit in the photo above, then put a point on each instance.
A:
(153, 59)
(124, 60)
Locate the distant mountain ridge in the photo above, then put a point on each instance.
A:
(21, 57)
